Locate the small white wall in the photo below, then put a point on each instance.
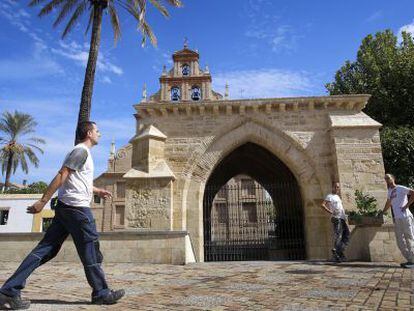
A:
(19, 220)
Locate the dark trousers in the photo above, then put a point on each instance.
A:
(341, 234)
(80, 224)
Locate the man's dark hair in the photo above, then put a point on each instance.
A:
(83, 129)
(392, 176)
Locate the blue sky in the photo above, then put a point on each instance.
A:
(262, 48)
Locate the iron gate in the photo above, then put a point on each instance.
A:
(253, 222)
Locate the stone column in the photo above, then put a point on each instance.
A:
(357, 156)
(149, 198)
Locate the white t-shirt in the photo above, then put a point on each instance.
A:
(398, 198)
(335, 204)
(77, 190)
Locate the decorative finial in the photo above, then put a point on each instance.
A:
(164, 70)
(185, 42)
(226, 92)
(144, 93)
(207, 70)
(112, 150)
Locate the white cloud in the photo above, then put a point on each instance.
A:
(80, 54)
(407, 28)
(374, 16)
(20, 18)
(38, 64)
(265, 83)
(269, 29)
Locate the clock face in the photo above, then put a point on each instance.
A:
(175, 93)
(195, 93)
(186, 70)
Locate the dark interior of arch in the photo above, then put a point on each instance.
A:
(280, 183)
(255, 161)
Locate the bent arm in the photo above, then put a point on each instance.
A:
(411, 200)
(387, 206)
(324, 205)
(55, 184)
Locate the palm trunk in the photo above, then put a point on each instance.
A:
(87, 91)
(8, 171)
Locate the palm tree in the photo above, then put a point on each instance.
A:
(95, 9)
(15, 145)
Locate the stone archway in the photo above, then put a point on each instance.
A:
(261, 218)
(282, 147)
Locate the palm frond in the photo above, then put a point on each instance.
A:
(147, 32)
(114, 22)
(175, 3)
(23, 163)
(50, 6)
(160, 7)
(31, 156)
(36, 2)
(90, 20)
(78, 12)
(35, 147)
(15, 163)
(65, 11)
(37, 140)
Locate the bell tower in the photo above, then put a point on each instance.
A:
(185, 81)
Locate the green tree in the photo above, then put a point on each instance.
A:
(17, 148)
(384, 68)
(398, 151)
(36, 187)
(95, 9)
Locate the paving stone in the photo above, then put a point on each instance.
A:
(226, 286)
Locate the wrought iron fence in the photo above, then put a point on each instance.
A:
(248, 221)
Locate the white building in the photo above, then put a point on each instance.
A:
(13, 216)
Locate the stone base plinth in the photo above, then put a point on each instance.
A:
(374, 243)
(166, 247)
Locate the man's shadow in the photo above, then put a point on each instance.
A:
(53, 302)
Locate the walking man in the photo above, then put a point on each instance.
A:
(403, 219)
(72, 216)
(333, 205)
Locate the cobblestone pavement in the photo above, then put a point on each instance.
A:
(227, 286)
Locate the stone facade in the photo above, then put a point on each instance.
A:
(180, 143)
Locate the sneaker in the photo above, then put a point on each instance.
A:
(341, 257)
(335, 256)
(14, 303)
(407, 265)
(110, 299)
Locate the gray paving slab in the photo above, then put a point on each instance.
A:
(217, 286)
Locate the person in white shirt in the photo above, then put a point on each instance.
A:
(397, 198)
(333, 205)
(74, 217)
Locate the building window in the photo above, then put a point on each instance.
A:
(120, 189)
(175, 94)
(119, 215)
(222, 194)
(250, 212)
(221, 210)
(195, 93)
(185, 69)
(96, 199)
(46, 222)
(248, 187)
(4, 217)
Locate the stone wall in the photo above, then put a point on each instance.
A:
(167, 247)
(374, 243)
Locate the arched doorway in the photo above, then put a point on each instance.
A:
(260, 218)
